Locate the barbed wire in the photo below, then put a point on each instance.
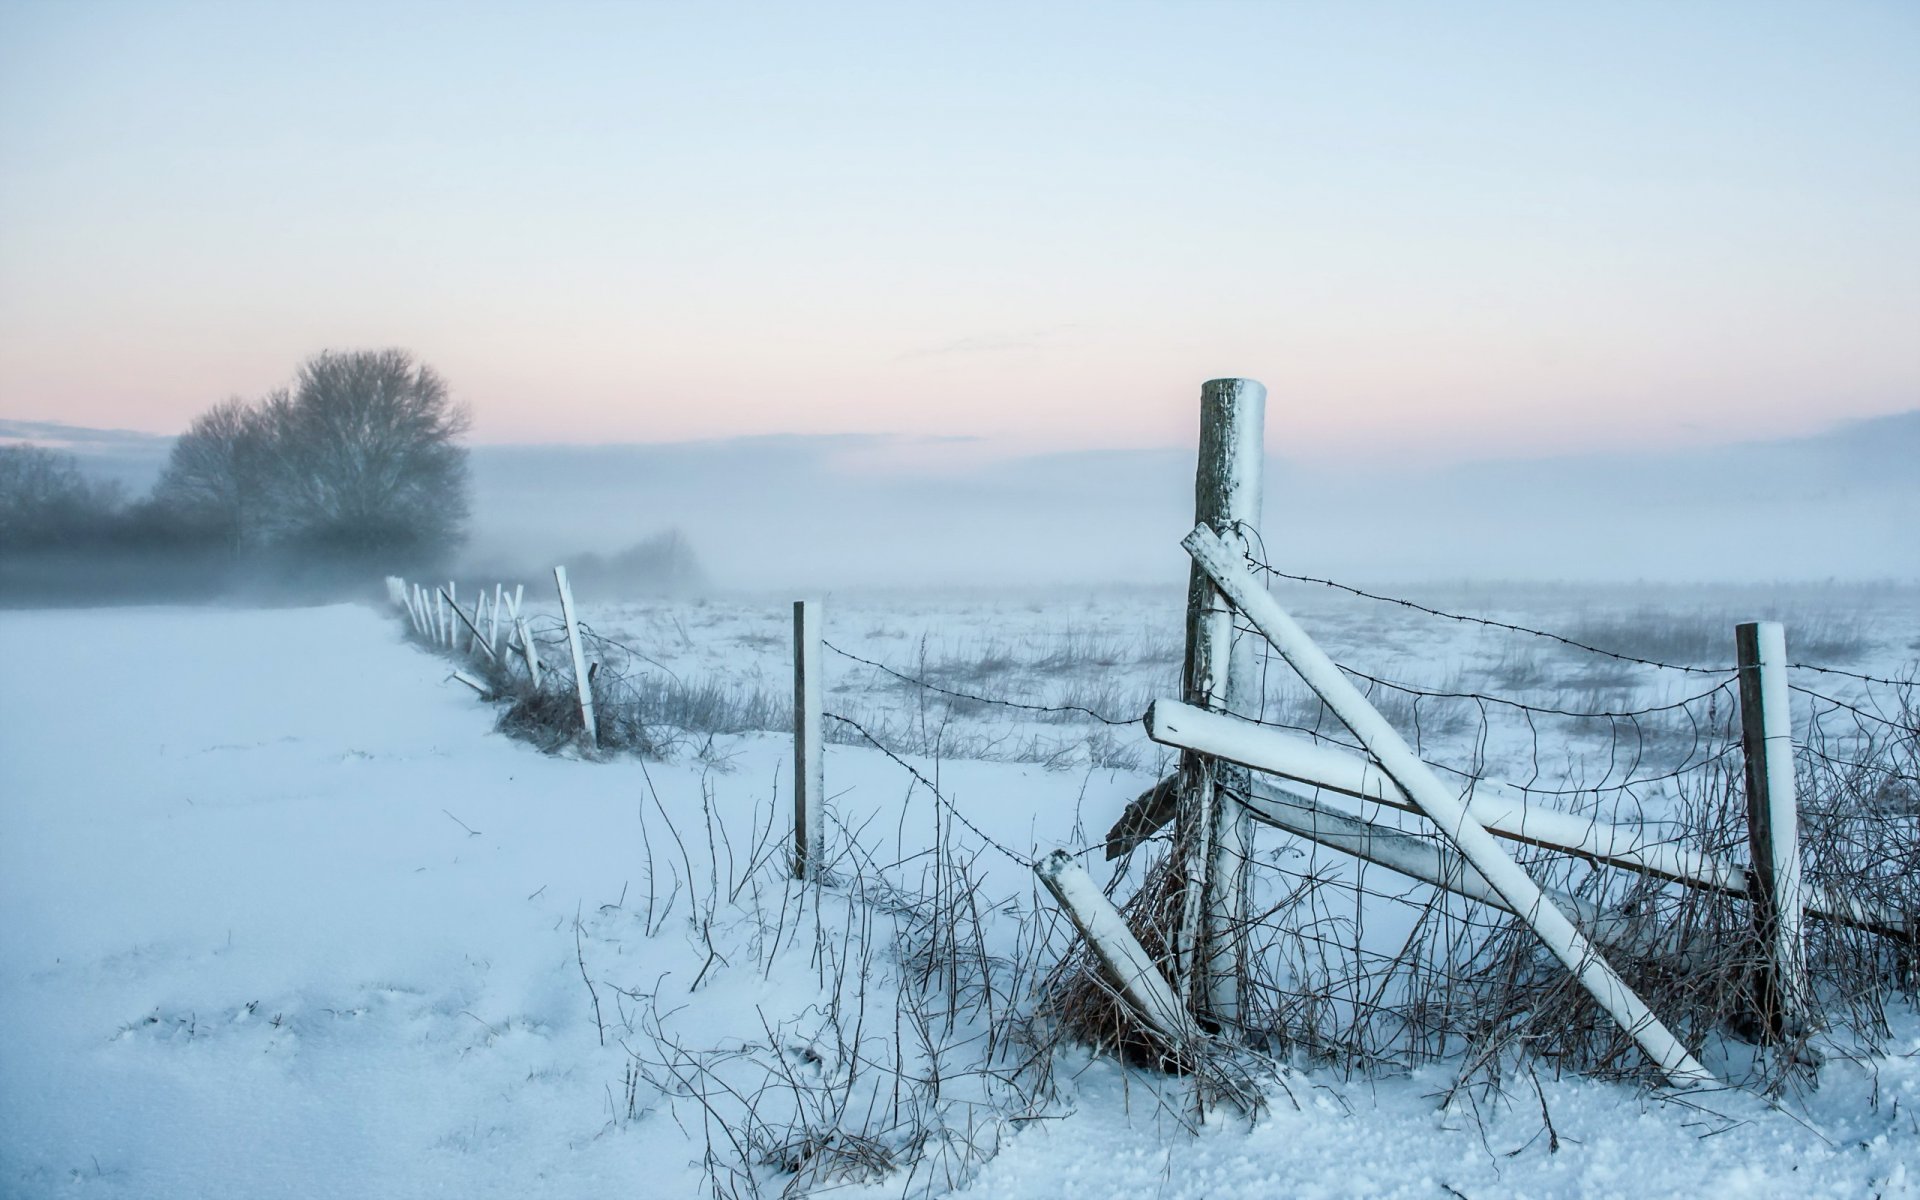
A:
(932, 790)
(1863, 714)
(1465, 618)
(1486, 621)
(1483, 698)
(587, 631)
(1796, 666)
(978, 699)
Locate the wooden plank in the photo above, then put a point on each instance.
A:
(473, 683)
(582, 683)
(1498, 806)
(468, 622)
(1777, 895)
(809, 771)
(1122, 959)
(1420, 859)
(526, 645)
(1226, 567)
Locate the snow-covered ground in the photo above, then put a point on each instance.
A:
(280, 915)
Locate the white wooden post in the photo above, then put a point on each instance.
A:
(519, 596)
(493, 620)
(580, 679)
(413, 609)
(526, 645)
(1502, 808)
(1777, 897)
(809, 771)
(1213, 833)
(473, 683)
(1417, 858)
(475, 639)
(473, 628)
(1444, 808)
(1123, 960)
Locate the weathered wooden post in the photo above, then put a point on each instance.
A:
(809, 793)
(584, 684)
(526, 646)
(1223, 562)
(1213, 831)
(410, 598)
(475, 638)
(1120, 956)
(1773, 828)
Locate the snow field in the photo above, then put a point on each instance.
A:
(284, 917)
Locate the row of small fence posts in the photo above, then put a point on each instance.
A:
(438, 617)
(1198, 987)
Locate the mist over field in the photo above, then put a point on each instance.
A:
(875, 510)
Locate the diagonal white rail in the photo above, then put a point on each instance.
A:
(1417, 858)
(1122, 958)
(1500, 807)
(1505, 876)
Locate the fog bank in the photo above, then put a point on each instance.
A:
(863, 511)
(824, 512)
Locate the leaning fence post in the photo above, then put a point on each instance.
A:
(580, 679)
(410, 599)
(809, 795)
(526, 646)
(1773, 827)
(1121, 957)
(1443, 806)
(1213, 833)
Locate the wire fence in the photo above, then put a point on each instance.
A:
(1359, 963)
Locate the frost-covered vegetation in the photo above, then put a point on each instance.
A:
(309, 882)
(355, 468)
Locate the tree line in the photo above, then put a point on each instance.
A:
(354, 470)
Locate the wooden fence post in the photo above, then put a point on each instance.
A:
(809, 794)
(1773, 833)
(1443, 806)
(1213, 833)
(580, 679)
(409, 598)
(1121, 957)
(526, 646)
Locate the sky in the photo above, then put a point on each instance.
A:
(1442, 231)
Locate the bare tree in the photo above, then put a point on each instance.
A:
(215, 475)
(46, 502)
(359, 460)
(362, 458)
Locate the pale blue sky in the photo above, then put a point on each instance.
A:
(1462, 229)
